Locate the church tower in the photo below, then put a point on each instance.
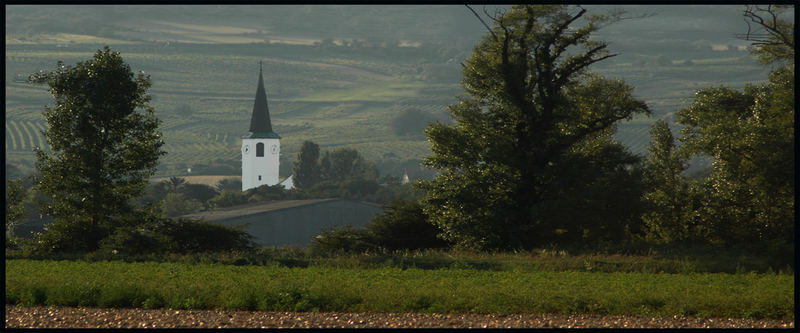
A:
(261, 150)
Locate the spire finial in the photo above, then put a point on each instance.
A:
(259, 66)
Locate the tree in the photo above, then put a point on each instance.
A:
(750, 135)
(772, 36)
(668, 194)
(344, 173)
(345, 163)
(228, 198)
(748, 199)
(404, 226)
(173, 184)
(177, 204)
(344, 239)
(596, 197)
(266, 193)
(105, 145)
(306, 169)
(229, 184)
(200, 192)
(153, 193)
(411, 121)
(192, 236)
(528, 103)
(175, 236)
(15, 207)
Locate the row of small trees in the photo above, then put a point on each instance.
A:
(334, 166)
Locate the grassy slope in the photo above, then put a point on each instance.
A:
(341, 105)
(336, 96)
(199, 286)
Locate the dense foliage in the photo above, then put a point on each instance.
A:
(176, 204)
(340, 240)
(306, 171)
(402, 226)
(411, 122)
(105, 145)
(158, 236)
(670, 197)
(342, 173)
(15, 209)
(531, 111)
(346, 163)
(747, 199)
(228, 198)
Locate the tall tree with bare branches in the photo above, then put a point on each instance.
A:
(532, 114)
(771, 34)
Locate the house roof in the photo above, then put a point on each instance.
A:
(256, 208)
(260, 123)
(288, 183)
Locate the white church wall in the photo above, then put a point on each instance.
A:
(260, 170)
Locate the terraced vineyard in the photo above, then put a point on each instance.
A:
(205, 113)
(337, 96)
(24, 135)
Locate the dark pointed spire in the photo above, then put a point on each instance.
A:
(260, 123)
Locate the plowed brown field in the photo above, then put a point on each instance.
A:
(67, 317)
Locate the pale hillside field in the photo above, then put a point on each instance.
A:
(205, 180)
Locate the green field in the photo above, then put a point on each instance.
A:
(452, 290)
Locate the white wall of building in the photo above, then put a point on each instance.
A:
(260, 170)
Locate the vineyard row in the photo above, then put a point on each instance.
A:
(24, 135)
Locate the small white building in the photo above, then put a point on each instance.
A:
(262, 149)
(288, 183)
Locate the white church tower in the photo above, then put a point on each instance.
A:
(261, 150)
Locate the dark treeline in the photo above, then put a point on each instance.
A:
(528, 161)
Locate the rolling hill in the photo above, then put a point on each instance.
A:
(336, 75)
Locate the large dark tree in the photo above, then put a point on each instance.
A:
(105, 145)
(306, 169)
(530, 111)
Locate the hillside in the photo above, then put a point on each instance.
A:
(336, 75)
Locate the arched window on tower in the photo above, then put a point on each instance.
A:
(260, 149)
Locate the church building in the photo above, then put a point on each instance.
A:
(261, 150)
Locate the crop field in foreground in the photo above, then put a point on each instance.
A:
(452, 290)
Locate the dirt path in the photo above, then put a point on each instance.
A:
(65, 317)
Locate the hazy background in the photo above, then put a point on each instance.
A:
(366, 77)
